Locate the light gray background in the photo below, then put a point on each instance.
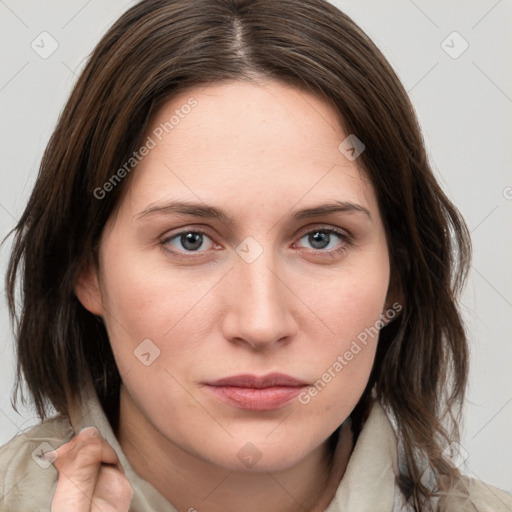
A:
(464, 105)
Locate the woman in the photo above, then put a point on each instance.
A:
(240, 278)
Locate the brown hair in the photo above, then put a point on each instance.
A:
(161, 47)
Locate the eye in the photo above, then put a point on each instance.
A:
(326, 240)
(189, 241)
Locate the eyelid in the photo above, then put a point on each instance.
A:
(183, 231)
(344, 235)
(324, 227)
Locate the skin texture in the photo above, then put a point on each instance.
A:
(260, 152)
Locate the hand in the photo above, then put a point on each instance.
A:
(91, 478)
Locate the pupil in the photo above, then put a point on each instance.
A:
(192, 241)
(319, 240)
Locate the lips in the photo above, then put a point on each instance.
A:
(253, 381)
(256, 393)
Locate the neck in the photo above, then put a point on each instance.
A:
(191, 483)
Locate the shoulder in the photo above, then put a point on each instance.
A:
(465, 494)
(27, 481)
(473, 494)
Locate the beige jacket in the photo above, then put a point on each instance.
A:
(27, 482)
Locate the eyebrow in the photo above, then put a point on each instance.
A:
(210, 212)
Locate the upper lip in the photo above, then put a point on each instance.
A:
(253, 381)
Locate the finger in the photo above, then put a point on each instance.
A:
(113, 492)
(78, 463)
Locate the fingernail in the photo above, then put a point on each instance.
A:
(93, 431)
(51, 456)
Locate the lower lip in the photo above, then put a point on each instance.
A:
(257, 399)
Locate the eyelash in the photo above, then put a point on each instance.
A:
(346, 241)
(345, 238)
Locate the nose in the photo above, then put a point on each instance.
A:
(259, 305)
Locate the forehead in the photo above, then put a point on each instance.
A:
(248, 142)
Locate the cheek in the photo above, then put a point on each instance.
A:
(353, 299)
(351, 308)
(146, 300)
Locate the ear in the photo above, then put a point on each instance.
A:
(87, 289)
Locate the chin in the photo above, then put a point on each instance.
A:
(259, 455)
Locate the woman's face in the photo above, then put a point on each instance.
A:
(248, 243)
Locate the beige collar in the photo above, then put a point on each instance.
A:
(369, 480)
